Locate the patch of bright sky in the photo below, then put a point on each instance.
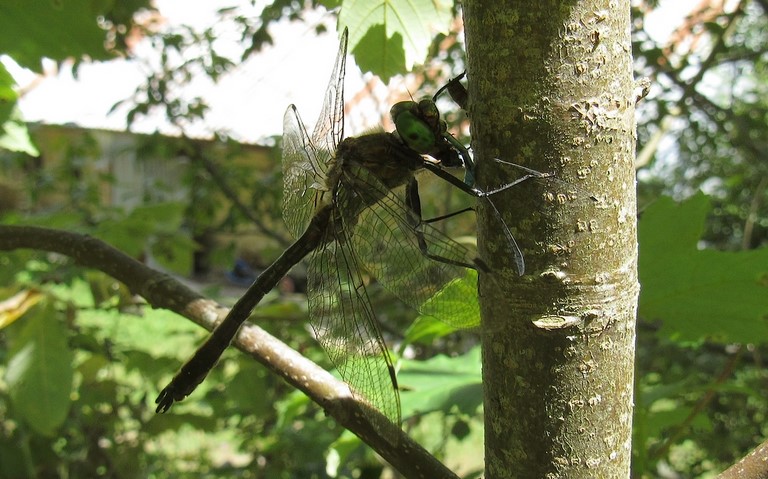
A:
(250, 101)
(661, 22)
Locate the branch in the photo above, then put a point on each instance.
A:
(752, 466)
(163, 291)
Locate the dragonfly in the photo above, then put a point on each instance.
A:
(353, 207)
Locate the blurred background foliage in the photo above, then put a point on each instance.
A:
(81, 359)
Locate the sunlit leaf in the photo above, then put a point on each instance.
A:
(14, 135)
(388, 36)
(14, 307)
(7, 83)
(39, 373)
(463, 292)
(441, 383)
(340, 451)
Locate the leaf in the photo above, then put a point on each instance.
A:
(174, 253)
(131, 233)
(391, 58)
(462, 291)
(14, 307)
(58, 30)
(7, 92)
(389, 36)
(340, 452)
(39, 373)
(164, 217)
(14, 135)
(699, 293)
(249, 388)
(441, 383)
(425, 330)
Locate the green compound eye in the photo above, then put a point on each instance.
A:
(414, 132)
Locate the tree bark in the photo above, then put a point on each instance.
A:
(551, 88)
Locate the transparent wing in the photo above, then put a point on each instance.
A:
(306, 160)
(329, 128)
(345, 325)
(303, 173)
(389, 241)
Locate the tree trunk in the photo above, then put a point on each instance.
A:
(551, 88)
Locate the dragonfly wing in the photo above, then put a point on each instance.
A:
(345, 325)
(329, 129)
(387, 241)
(304, 175)
(306, 160)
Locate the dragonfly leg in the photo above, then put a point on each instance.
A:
(413, 202)
(456, 90)
(449, 215)
(477, 193)
(466, 158)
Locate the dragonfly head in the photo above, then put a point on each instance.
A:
(421, 129)
(412, 127)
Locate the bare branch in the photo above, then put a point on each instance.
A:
(752, 466)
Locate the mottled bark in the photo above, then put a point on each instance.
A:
(551, 88)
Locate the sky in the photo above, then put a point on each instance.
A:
(249, 102)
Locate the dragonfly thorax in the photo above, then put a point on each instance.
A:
(383, 154)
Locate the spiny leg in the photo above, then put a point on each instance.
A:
(477, 193)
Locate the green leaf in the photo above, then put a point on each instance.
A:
(329, 4)
(699, 293)
(7, 84)
(390, 60)
(441, 383)
(249, 388)
(388, 36)
(13, 464)
(132, 233)
(174, 253)
(164, 217)
(425, 330)
(340, 452)
(459, 295)
(14, 135)
(40, 371)
(60, 29)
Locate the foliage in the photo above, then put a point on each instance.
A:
(398, 32)
(707, 294)
(80, 358)
(57, 30)
(699, 400)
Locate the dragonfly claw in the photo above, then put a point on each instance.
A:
(165, 400)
